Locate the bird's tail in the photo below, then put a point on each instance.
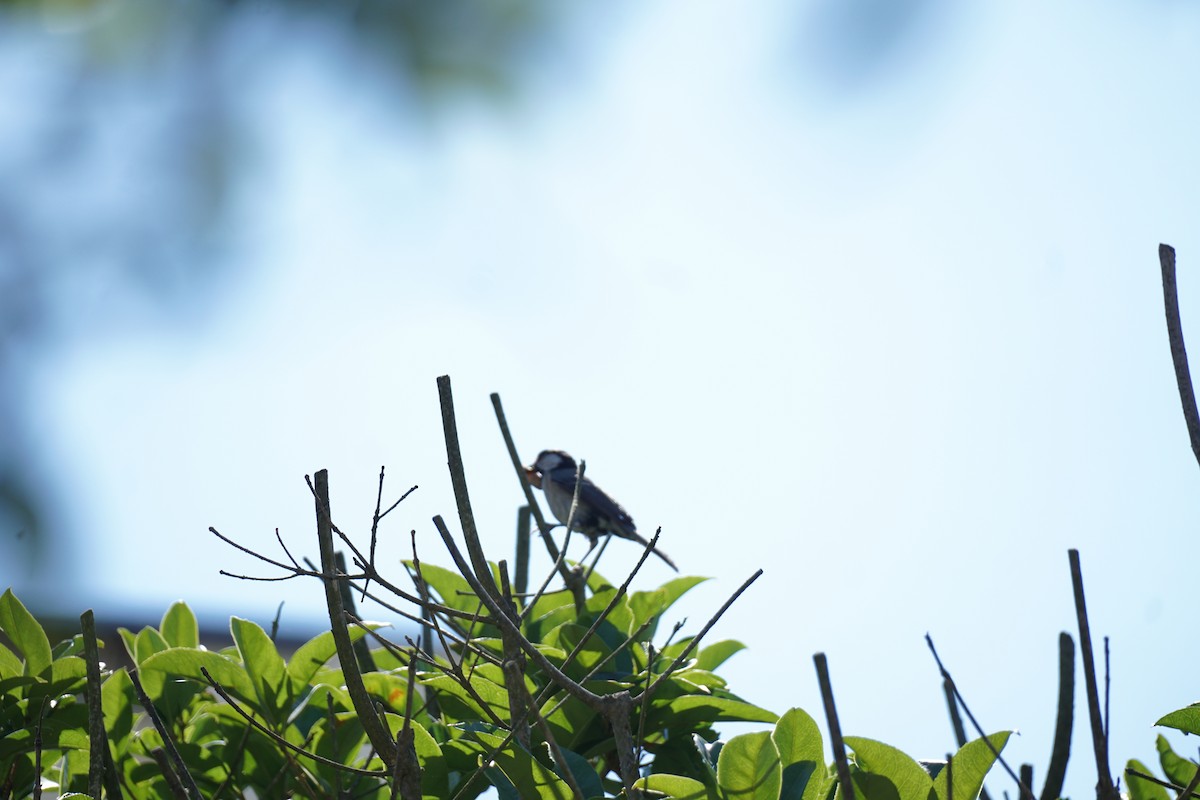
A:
(637, 537)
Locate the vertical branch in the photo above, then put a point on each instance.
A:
(1026, 781)
(573, 580)
(96, 735)
(835, 729)
(1060, 753)
(362, 649)
(1183, 376)
(514, 668)
(406, 777)
(1104, 782)
(377, 732)
(521, 569)
(458, 479)
(960, 733)
(1107, 676)
(617, 709)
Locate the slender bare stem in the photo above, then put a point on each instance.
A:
(1104, 782)
(180, 769)
(835, 728)
(1183, 375)
(376, 730)
(228, 698)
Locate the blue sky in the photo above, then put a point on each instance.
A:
(892, 333)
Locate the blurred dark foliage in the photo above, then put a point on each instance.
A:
(121, 156)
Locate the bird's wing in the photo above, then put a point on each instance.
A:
(592, 495)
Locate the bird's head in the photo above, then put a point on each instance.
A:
(548, 461)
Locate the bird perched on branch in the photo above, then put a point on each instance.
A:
(597, 515)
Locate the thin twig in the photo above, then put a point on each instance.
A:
(181, 772)
(1183, 376)
(572, 580)
(1167, 784)
(502, 621)
(1022, 789)
(174, 785)
(687, 651)
(228, 698)
(374, 532)
(1191, 787)
(835, 729)
(1107, 687)
(960, 733)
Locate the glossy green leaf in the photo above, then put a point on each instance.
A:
(696, 711)
(909, 779)
(1186, 719)
(718, 653)
(1142, 789)
(317, 652)
(148, 642)
(645, 605)
(749, 767)
(264, 666)
(802, 756)
(676, 787)
(460, 705)
(1178, 769)
(25, 632)
(10, 665)
(185, 662)
(179, 627)
(972, 763)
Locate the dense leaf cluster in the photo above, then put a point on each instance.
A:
(460, 736)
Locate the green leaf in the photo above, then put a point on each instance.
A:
(906, 777)
(10, 665)
(801, 752)
(1178, 769)
(692, 712)
(718, 653)
(116, 698)
(458, 704)
(264, 666)
(148, 642)
(1185, 719)
(645, 605)
(749, 768)
(971, 765)
(185, 662)
(674, 786)
(435, 778)
(317, 651)
(530, 777)
(581, 770)
(1140, 788)
(25, 632)
(179, 627)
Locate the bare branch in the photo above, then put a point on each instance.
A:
(1183, 375)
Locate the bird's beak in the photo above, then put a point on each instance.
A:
(535, 480)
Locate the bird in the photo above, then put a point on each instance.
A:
(597, 515)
